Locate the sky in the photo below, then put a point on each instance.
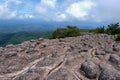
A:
(61, 10)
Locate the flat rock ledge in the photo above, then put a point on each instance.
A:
(87, 57)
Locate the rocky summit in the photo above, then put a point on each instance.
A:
(87, 57)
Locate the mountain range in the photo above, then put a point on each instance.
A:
(17, 31)
(10, 26)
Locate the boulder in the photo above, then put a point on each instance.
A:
(114, 59)
(90, 69)
(109, 73)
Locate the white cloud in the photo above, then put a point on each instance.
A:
(61, 17)
(26, 16)
(76, 10)
(4, 11)
(46, 9)
(13, 1)
(18, 2)
(80, 9)
(40, 9)
(12, 15)
(61, 10)
(44, 6)
(49, 3)
(72, 10)
(107, 10)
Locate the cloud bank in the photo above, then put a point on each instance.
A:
(61, 10)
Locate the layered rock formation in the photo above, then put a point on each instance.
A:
(88, 57)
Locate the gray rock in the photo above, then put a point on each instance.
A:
(11, 54)
(99, 52)
(34, 74)
(10, 46)
(43, 45)
(115, 48)
(87, 57)
(41, 39)
(31, 51)
(46, 62)
(109, 74)
(114, 59)
(61, 74)
(54, 54)
(90, 69)
(32, 40)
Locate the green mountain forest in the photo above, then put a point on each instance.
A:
(18, 37)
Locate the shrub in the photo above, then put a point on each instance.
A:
(117, 38)
(59, 33)
(113, 29)
(70, 31)
(99, 30)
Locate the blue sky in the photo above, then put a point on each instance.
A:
(61, 10)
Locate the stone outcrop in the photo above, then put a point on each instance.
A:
(88, 57)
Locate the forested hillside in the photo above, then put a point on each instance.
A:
(16, 38)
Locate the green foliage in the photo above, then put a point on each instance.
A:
(91, 31)
(70, 31)
(84, 30)
(99, 30)
(59, 33)
(17, 38)
(113, 29)
(117, 38)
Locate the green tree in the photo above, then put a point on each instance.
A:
(59, 33)
(70, 31)
(117, 38)
(113, 29)
(100, 30)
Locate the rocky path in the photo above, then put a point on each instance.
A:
(88, 57)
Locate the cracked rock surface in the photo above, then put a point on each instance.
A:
(88, 57)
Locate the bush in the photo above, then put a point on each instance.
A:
(117, 38)
(99, 30)
(70, 31)
(59, 33)
(113, 29)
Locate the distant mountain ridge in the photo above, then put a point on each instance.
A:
(16, 31)
(10, 26)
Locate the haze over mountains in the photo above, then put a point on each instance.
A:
(11, 26)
